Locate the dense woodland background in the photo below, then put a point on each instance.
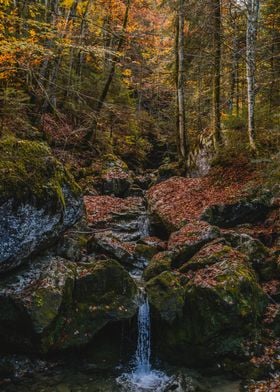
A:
(101, 76)
(167, 114)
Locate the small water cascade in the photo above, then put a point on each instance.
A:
(143, 352)
(143, 377)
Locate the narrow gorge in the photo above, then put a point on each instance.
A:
(155, 282)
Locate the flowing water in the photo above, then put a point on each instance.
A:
(142, 377)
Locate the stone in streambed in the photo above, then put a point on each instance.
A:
(115, 178)
(108, 243)
(32, 299)
(215, 252)
(53, 304)
(161, 262)
(166, 293)
(205, 314)
(189, 239)
(104, 293)
(246, 210)
(264, 261)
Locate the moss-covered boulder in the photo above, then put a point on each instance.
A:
(204, 314)
(32, 299)
(244, 243)
(265, 262)
(104, 293)
(145, 251)
(250, 209)
(212, 253)
(161, 262)
(166, 293)
(38, 200)
(54, 304)
(189, 239)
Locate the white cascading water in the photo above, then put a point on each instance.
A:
(143, 377)
(143, 352)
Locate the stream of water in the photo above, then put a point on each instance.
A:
(142, 377)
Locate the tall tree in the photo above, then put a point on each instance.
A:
(251, 38)
(112, 69)
(217, 75)
(180, 68)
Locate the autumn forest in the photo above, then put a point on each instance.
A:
(139, 195)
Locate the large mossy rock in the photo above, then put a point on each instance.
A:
(250, 209)
(38, 200)
(32, 299)
(265, 262)
(54, 304)
(161, 262)
(185, 242)
(175, 202)
(205, 313)
(104, 293)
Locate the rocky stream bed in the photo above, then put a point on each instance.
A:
(70, 314)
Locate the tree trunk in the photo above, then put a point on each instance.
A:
(181, 116)
(91, 135)
(251, 38)
(217, 75)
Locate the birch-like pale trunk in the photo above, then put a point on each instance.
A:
(181, 120)
(217, 75)
(251, 39)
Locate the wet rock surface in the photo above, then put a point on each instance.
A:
(39, 200)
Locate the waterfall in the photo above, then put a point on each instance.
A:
(144, 225)
(143, 351)
(142, 377)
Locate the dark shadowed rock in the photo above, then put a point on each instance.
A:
(32, 299)
(53, 304)
(247, 210)
(115, 177)
(104, 293)
(188, 240)
(203, 314)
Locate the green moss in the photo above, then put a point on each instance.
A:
(111, 161)
(146, 251)
(104, 292)
(166, 294)
(216, 307)
(160, 262)
(29, 171)
(210, 254)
